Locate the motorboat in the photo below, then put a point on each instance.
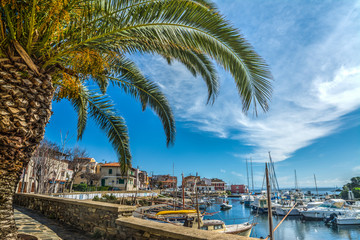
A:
(284, 209)
(349, 218)
(260, 205)
(225, 206)
(332, 206)
(248, 199)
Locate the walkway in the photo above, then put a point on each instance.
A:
(33, 223)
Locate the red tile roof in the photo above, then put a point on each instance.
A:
(113, 164)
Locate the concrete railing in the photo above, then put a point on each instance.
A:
(112, 221)
(118, 194)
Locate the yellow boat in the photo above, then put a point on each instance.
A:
(176, 212)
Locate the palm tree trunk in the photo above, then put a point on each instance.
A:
(25, 109)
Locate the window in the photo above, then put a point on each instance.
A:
(204, 228)
(121, 181)
(110, 171)
(218, 227)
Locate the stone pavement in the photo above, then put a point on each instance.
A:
(33, 223)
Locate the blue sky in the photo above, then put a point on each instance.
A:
(312, 48)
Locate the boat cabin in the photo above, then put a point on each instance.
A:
(210, 225)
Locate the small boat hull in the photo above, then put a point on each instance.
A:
(320, 215)
(239, 229)
(283, 211)
(348, 221)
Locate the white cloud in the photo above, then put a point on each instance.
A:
(356, 169)
(222, 171)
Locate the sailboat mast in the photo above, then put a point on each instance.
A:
(252, 176)
(174, 187)
(197, 202)
(317, 192)
(183, 190)
(268, 191)
(273, 173)
(247, 174)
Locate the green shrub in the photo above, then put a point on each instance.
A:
(96, 198)
(109, 197)
(82, 187)
(103, 188)
(344, 194)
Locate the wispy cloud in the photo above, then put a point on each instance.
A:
(316, 84)
(236, 174)
(222, 171)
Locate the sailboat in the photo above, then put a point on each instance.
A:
(248, 199)
(193, 220)
(285, 208)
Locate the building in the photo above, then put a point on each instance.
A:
(190, 181)
(111, 176)
(142, 179)
(237, 189)
(164, 181)
(44, 175)
(202, 188)
(218, 184)
(85, 165)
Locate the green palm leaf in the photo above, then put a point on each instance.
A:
(51, 34)
(132, 81)
(102, 111)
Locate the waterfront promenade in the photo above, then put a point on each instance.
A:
(33, 223)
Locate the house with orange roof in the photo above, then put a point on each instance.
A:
(111, 176)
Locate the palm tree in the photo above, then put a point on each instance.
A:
(53, 49)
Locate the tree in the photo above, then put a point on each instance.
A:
(76, 163)
(53, 49)
(354, 186)
(91, 178)
(47, 164)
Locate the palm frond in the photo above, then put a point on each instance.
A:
(102, 111)
(191, 26)
(127, 76)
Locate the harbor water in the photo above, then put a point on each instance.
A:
(291, 228)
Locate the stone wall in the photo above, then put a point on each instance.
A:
(112, 221)
(89, 216)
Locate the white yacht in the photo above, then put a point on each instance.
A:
(349, 218)
(332, 206)
(284, 209)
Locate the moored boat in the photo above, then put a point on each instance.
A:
(332, 206)
(353, 219)
(225, 206)
(193, 220)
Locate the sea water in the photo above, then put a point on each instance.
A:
(291, 228)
